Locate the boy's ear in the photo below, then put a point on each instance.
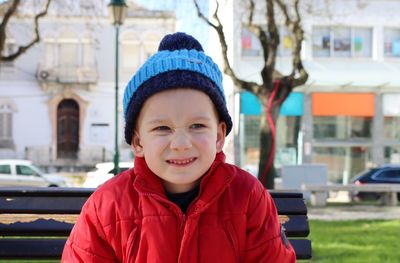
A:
(136, 146)
(221, 133)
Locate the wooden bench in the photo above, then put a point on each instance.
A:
(319, 192)
(35, 222)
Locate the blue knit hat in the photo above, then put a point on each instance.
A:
(179, 63)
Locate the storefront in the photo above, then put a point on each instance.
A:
(287, 130)
(342, 133)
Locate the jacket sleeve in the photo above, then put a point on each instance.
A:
(87, 241)
(264, 242)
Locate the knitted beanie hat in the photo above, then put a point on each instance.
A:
(179, 63)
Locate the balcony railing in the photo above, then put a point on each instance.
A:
(68, 74)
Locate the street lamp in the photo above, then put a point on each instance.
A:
(117, 10)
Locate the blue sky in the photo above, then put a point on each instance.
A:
(187, 19)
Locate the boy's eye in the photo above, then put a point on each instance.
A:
(197, 126)
(161, 128)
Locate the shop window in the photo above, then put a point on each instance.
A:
(392, 154)
(343, 162)
(392, 127)
(342, 127)
(392, 42)
(287, 132)
(341, 42)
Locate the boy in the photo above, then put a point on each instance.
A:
(181, 202)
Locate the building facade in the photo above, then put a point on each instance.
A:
(57, 101)
(347, 115)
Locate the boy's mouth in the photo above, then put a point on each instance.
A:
(181, 162)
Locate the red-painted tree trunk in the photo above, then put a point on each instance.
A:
(270, 113)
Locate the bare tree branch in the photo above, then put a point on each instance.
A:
(10, 11)
(246, 85)
(273, 43)
(261, 35)
(275, 87)
(36, 38)
(298, 75)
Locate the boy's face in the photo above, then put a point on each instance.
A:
(178, 133)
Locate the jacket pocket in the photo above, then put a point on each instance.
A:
(231, 236)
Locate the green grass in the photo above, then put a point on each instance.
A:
(355, 241)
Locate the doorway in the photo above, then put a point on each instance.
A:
(67, 129)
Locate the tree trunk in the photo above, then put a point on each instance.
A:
(266, 168)
(270, 113)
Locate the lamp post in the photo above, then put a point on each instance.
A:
(117, 10)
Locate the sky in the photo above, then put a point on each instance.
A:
(187, 19)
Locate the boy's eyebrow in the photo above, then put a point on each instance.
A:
(162, 121)
(156, 121)
(201, 118)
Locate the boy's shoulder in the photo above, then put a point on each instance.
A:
(242, 179)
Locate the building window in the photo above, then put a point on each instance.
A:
(392, 154)
(392, 42)
(343, 162)
(10, 48)
(392, 127)
(342, 127)
(287, 132)
(69, 52)
(251, 46)
(341, 42)
(130, 45)
(6, 123)
(150, 44)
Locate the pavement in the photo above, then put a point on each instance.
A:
(354, 212)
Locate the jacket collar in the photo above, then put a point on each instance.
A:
(212, 184)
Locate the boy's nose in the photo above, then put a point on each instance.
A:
(180, 141)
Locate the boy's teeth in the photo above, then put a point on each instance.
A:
(181, 162)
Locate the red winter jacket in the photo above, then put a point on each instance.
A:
(129, 219)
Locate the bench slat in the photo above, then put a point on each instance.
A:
(280, 194)
(297, 226)
(52, 248)
(46, 191)
(290, 206)
(302, 247)
(41, 205)
(72, 205)
(31, 248)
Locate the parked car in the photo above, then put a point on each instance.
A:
(24, 173)
(104, 172)
(385, 174)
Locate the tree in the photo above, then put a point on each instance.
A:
(275, 87)
(10, 9)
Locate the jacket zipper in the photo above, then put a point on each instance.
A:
(180, 215)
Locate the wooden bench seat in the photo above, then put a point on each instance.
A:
(35, 222)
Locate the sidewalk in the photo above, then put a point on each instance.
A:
(356, 212)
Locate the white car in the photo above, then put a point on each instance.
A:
(23, 173)
(103, 172)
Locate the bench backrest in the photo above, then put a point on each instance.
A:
(42, 218)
